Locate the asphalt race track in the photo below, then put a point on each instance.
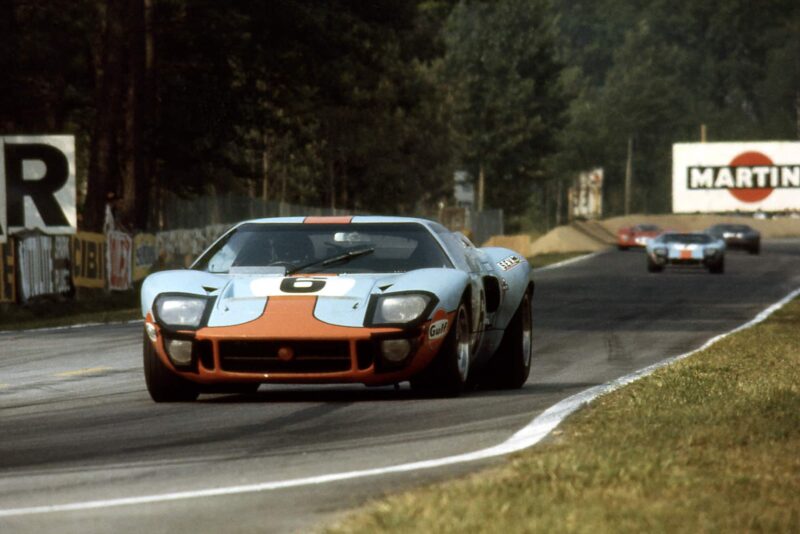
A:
(77, 425)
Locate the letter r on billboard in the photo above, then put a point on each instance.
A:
(37, 183)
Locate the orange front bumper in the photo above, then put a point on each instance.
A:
(287, 344)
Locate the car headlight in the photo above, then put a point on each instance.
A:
(395, 350)
(708, 252)
(660, 251)
(180, 311)
(401, 308)
(179, 351)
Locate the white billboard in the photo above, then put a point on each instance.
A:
(37, 184)
(731, 177)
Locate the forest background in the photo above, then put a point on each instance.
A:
(372, 106)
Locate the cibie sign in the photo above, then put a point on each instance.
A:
(729, 177)
(37, 184)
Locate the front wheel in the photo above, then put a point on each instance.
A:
(653, 267)
(447, 373)
(162, 384)
(510, 366)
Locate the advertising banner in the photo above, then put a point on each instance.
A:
(8, 267)
(3, 215)
(37, 184)
(586, 196)
(120, 258)
(89, 260)
(736, 177)
(144, 255)
(43, 266)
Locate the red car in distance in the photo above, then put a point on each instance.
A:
(637, 235)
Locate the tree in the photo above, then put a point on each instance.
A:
(508, 102)
(656, 70)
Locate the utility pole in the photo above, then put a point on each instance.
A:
(628, 176)
(703, 133)
(797, 111)
(264, 167)
(559, 194)
(481, 186)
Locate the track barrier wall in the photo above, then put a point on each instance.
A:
(34, 264)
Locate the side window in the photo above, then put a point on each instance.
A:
(458, 251)
(470, 253)
(221, 261)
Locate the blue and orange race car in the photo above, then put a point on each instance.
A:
(686, 249)
(362, 299)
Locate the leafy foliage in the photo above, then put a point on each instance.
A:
(372, 106)
(508, 102)
(655, 70)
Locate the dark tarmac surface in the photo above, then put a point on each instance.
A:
(77, 424)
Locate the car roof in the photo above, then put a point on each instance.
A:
(341, 219)
(685, 233)
(732, 225)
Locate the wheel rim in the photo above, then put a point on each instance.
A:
(462, 343)
(527, 329)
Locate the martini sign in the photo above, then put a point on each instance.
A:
(730, 177)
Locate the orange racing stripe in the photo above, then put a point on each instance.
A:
(342, 219)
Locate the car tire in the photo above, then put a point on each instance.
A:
(653, 267)
(622, 247)
(511, 364)
(163, 384)
(718, 267)
(448, 373)
(756, 249)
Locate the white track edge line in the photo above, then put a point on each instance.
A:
(569, 261)
(526, 437)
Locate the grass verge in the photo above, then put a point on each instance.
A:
(709, 444)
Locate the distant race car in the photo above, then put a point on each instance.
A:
(738, 236)
(672, 248)
(372, 300)
(636, 236)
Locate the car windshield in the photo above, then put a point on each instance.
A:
(736, 228)
(360, 248)
(688, 239)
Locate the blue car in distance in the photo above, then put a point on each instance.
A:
(686, 249)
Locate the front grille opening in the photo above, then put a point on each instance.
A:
(366, 352)
(307, 356)
(204, 353)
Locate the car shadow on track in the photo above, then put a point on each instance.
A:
(381, 394)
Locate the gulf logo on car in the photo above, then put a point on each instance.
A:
(437, 329)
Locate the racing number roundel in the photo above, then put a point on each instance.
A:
(751, 159)
(301, 285)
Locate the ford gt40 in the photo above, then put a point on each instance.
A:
(739, 236)
(371, 300)
(636, 236)
(695, 248)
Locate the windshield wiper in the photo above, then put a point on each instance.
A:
(344, 257)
